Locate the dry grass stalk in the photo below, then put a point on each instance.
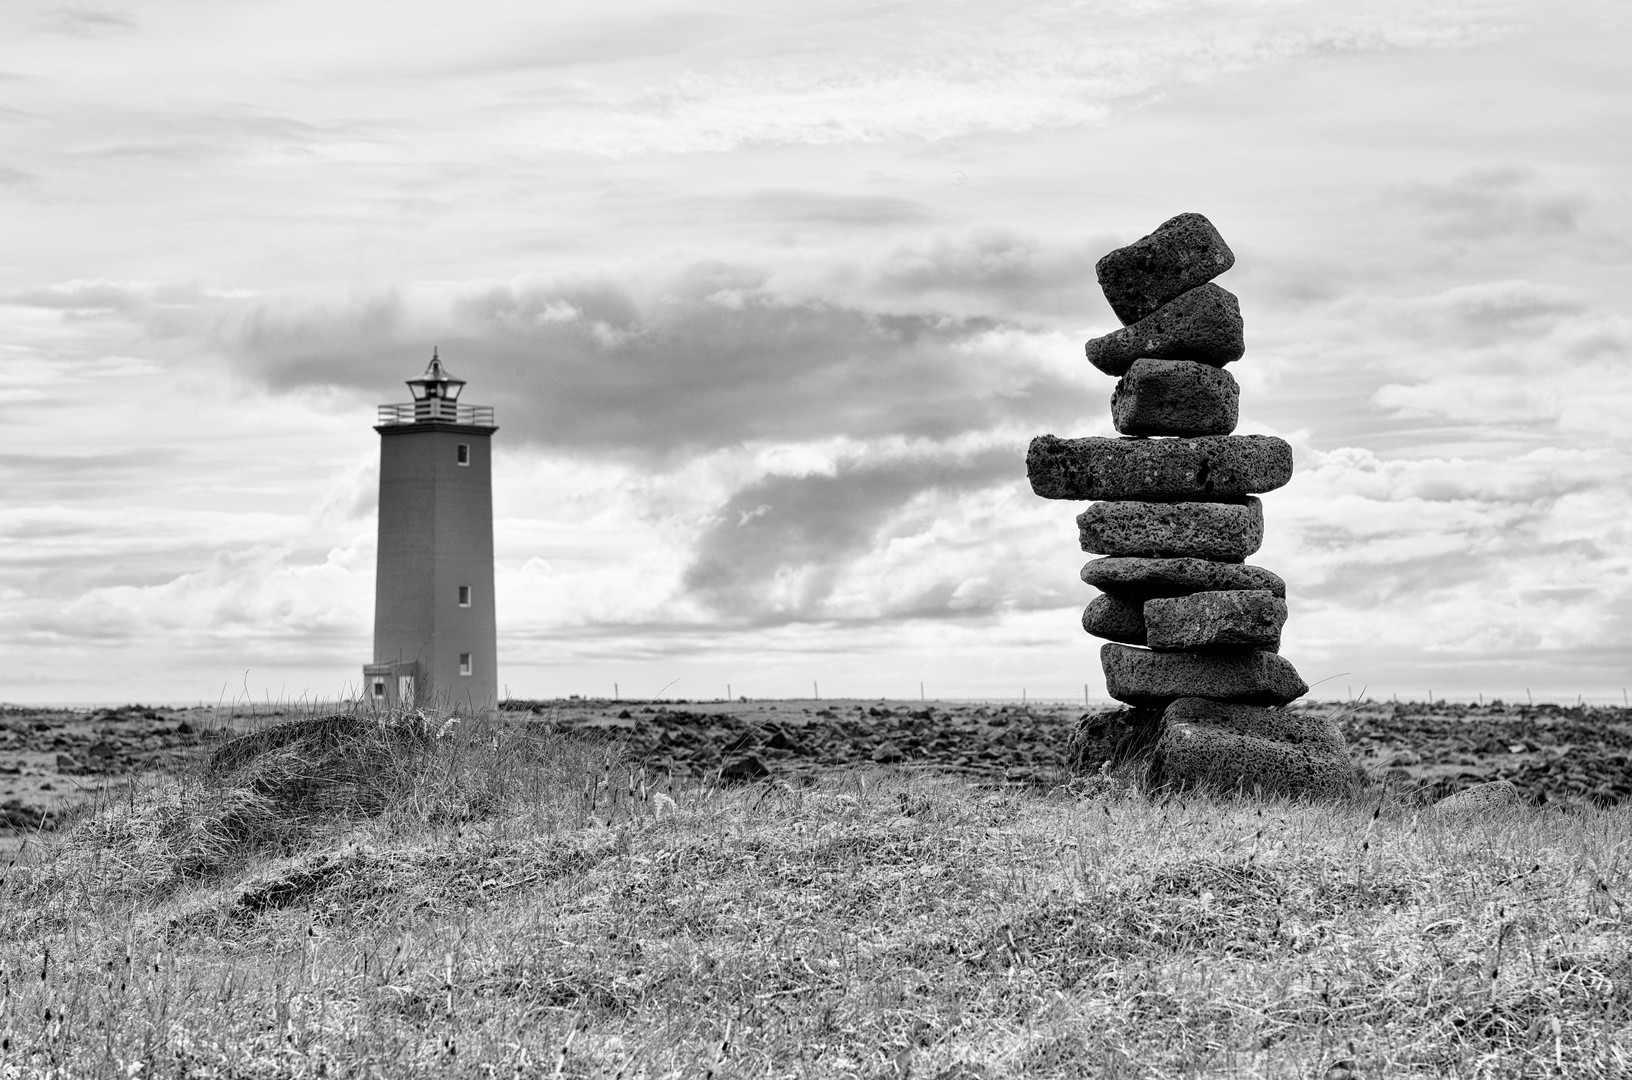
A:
(501, 900)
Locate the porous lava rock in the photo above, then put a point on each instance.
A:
(1493, 796)
(1192, 756)
(1231, 617)
(1203, 326)
(1113, 739)
(1224, 532)
(1282, 725)
(1142, 579)
(1115, 619)
(1154, 680)
(1211, 468)
(1183, 253)
(1175, 397)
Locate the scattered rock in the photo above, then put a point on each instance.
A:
(1154, 680)
(68, 765)
(1202, 326)
(1142, 579)
(1115, 619)
(886, 753)
(1496, 795)
(1183, 253)
(1175, 397)
(1235, 617)
(1211, 468)
(744, 770)
(1226, 532)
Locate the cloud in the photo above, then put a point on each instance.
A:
(1491, 203)
(708, 357)
(84, 22)
(1452, 556)
(778, 547)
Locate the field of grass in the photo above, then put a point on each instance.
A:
(397, 898)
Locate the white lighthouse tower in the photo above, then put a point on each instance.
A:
(435, 636)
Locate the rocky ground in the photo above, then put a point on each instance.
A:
(53, 759)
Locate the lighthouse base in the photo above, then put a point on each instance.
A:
(392, 684)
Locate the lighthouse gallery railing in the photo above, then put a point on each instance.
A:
(420, 412)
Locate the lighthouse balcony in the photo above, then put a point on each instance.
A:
(436, 410)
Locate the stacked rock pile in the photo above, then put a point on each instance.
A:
(1194, 632)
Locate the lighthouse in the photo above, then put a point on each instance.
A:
(435, 637)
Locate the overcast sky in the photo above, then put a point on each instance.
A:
(770, 298)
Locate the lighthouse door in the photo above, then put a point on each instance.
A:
(405, 690)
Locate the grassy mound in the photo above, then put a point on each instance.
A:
(379, 900)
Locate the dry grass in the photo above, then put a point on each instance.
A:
(502, 902)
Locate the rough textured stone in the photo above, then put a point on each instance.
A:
(1494, 796)
(1233, 617)
(1154, 680)
(1226, 532)
(1212, 468)
(1183, 253)
(1318, 732)
(1142, 579)
(1175, 397)
(1113, 738)
(1190, 756)
(1111, 617)
(1203, 326)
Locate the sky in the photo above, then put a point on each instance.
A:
(769, 299)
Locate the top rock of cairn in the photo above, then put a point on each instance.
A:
(1184, 252)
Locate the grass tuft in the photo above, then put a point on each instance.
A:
(392, 895)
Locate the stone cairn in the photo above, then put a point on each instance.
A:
(1194, 632)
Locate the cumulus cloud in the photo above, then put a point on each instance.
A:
(779, 547)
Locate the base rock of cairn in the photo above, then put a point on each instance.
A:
(1194, 632)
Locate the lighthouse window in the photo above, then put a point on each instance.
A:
(462, 455)
(379, 688)
(464, 663)
(464, 596)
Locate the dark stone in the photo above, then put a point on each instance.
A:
(1248, 750)
(1142, 579)
(1212, 468)
(1183, 253)
(1154, 680)
(1233, 617)
(1175, 397)
(1112, 738)
(886, 753)
(1281, 725)
(1226, 532)
(1203, 325)
(744, 770)
(1111, 617)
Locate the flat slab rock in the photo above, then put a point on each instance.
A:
(1203, 325)
(1142, 579)
(1210, 468)
(1232, 617)
(1175, 397)
(1154, 680)
(1183, 253)
(1226, 532)
(1115, 619)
